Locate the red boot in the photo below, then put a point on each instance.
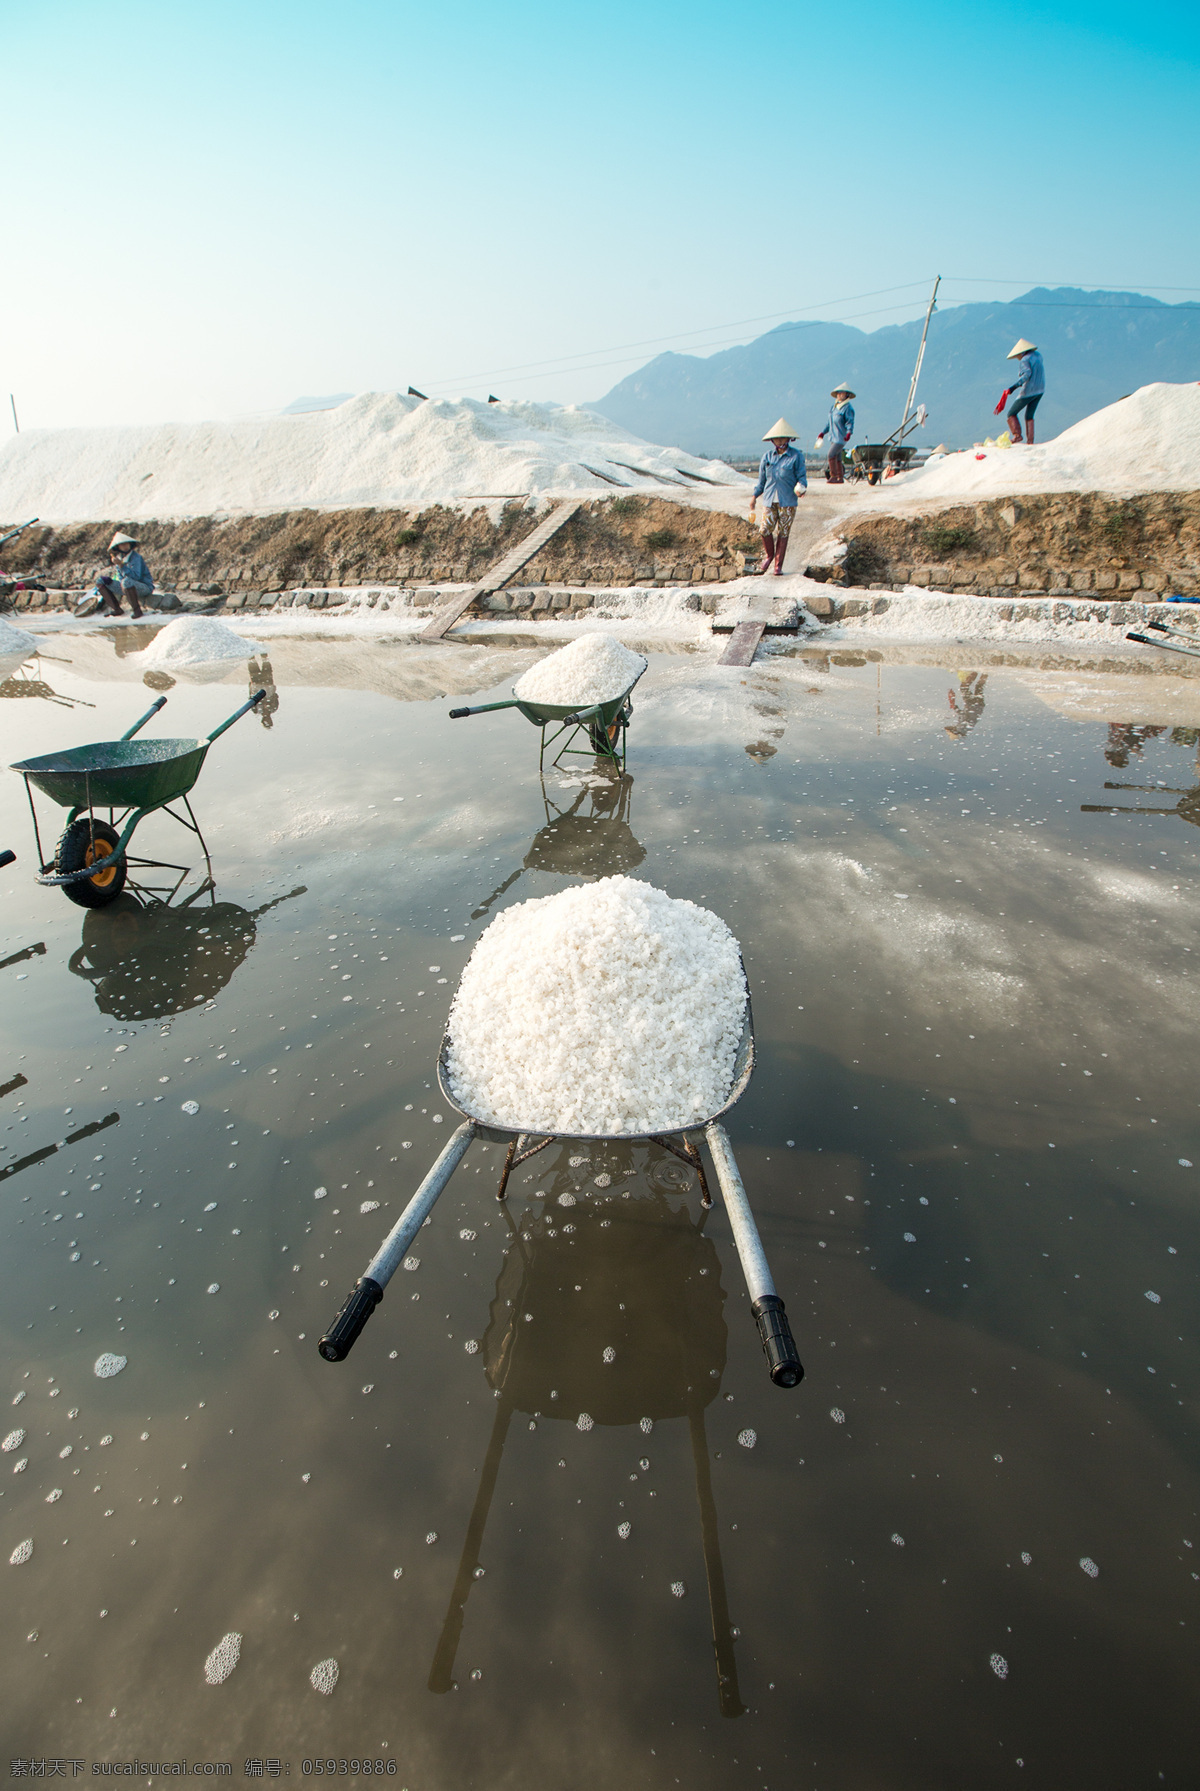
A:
(768, 542)
(1029, 430)
(836, 473)
(1014, 429)
(781, 542)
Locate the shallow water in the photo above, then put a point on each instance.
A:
(972, 986)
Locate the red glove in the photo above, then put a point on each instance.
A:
(1003, 399)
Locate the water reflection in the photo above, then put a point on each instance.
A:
(146, 958)
(581, 841)
(262, 677)
(1127, 740)
(967, 707)
(26, 681)
(640, 1340)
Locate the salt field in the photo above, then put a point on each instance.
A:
(555, 1527)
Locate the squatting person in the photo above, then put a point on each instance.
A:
(781, 479)
(130, 575)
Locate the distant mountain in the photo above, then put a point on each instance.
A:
(1097, 347)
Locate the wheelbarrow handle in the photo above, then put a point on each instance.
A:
(237, 715)
(783, 1358)
(483, 709)
(7, 858)
(151, 712)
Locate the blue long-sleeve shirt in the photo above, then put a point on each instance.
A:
(779, 475)
(133, 566)
(840, 426)
(1031, 377)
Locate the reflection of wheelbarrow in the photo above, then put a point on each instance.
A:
(642, 1342)
(133, 777)
(147, 960)
(606, 723)
(601, 844)
(768, 1309)
(871, 457)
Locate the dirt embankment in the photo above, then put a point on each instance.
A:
(616, 541)
(1058, 544)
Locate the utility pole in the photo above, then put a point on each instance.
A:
(912, 390)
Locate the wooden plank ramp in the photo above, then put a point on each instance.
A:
(743, 644)
(500, 573)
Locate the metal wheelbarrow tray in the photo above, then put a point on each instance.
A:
(134, 777)
(768, 1309)
(605, 722)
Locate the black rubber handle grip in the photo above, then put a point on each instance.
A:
(1141, 638)
(1159, 627)
(457, 714)
(8, 858)
(779, 1347)
(357, 1308)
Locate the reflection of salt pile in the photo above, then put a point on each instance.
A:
(378, 448)
(610, 1008)
(593, 669)
(194, 640)
(1149, 441)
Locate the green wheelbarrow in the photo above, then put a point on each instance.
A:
(606, 724)
(131, 779)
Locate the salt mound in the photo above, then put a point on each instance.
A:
(15, 640)
(1149, 441)
(378, 448)
(194, 640)
(607, 1009)
(593, 669)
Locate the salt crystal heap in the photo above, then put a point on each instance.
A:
(194, 640)
(593, 669)
(609, 1009)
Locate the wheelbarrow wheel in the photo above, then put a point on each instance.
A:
(82, 844)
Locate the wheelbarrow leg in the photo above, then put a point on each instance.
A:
(367, 1291)
(778, 1345)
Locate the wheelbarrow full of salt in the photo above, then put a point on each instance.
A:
(606, 724)
(783, 1360)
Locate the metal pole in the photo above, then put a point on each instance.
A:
(367, 1291)
(777, 1341)
(13, 402)
(912, 390)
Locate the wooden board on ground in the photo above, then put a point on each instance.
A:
(500, 573)
(744, 644)
(726, 625)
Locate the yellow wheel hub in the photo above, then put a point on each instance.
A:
(97, 849)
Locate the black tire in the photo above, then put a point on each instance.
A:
(83, 842)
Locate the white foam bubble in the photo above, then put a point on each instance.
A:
(623, 1531)
(837, 1414)
(412, 1264)
(105, 1366)
(585, 1421)
(369, 1206)
(646, 1425)
(1089, 1566)
(678, 1589)
(471, 1347)
(747, 1438)
(224, 1658)
(998, 1665)
(214, 1287)
(21, 1553)
(189, 1106)
(1154, 1299)
(12, 1441)
(610, 1354)
(467, 1235)
(897, 1539)
(54, 1495)
(324, 1676)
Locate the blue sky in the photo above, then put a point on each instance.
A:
(212, 209)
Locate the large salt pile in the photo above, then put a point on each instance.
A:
(608, 1009)
(377, 449)
(593, 669)
(194, 640)
(1149, 441)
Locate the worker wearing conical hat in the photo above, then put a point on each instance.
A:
(781, 479)
(1025, 394)
(130, 577)
(837, 432)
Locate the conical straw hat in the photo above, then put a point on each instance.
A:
(120, 540)
(780, 428)
(834, 390)
(1020, 348)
